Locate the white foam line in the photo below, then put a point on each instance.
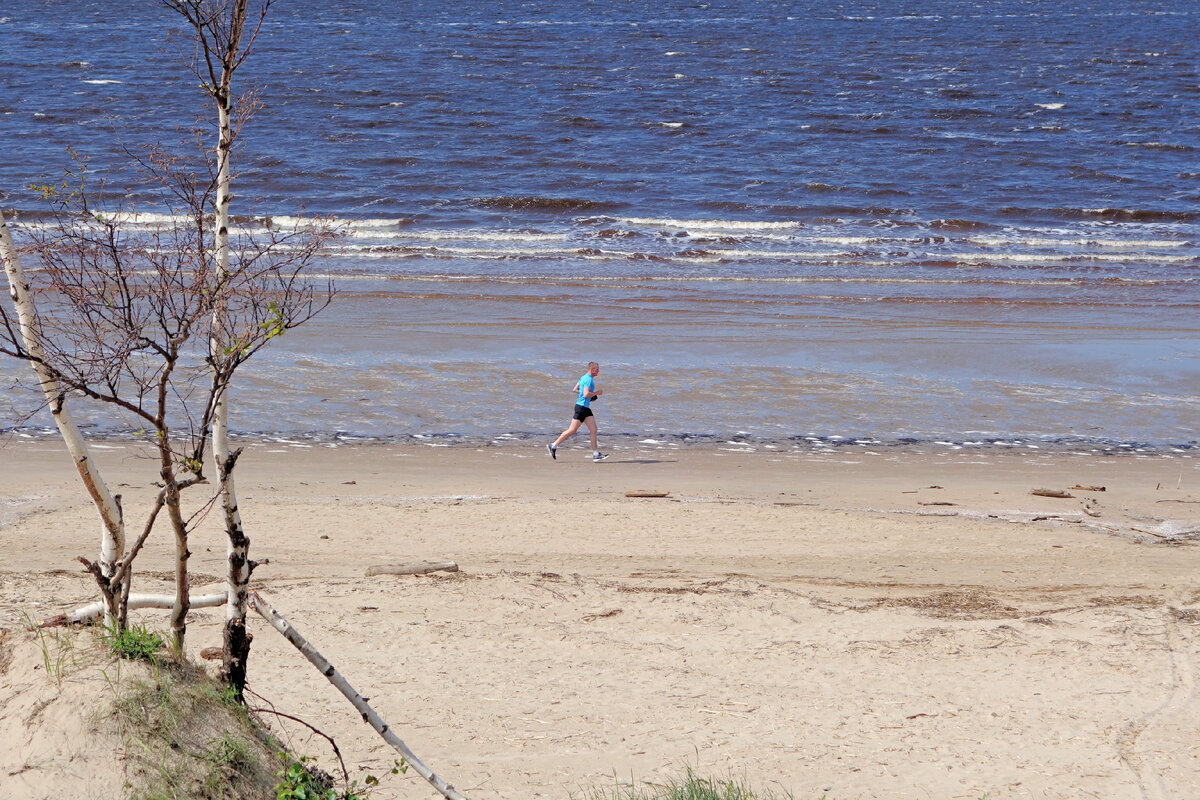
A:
(990, 241)
(359, 230)
(710, 224)
(780, 254)
(1058, 258)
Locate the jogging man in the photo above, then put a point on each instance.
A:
(588, 393)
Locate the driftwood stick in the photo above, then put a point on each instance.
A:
(368, 714)
(1051, 493)
(1152, 533)
(90, 613)
(411, 569)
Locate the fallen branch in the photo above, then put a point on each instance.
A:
(601, 615)
(647, 493)
(1175, 535)
(90, 613)
(368, 714)
(1051, 493)
(313, 728)
(412, 569)
(1152, 533)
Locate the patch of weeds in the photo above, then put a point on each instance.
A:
(134, 643)
(225, 696)
(229, 752)
(184, 742)
(689, 787)
(227, 757)
(186, 737)
(301, 779)
(58, 651)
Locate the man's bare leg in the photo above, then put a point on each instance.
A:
(562, 437)
(593, 430)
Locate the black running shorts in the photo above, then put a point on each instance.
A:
(582, 412)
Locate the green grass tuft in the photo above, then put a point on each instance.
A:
(135, 643)
(689, 787)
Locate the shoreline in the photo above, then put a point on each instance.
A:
(799, 444)
(904, 625)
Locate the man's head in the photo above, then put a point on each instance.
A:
(593, 368)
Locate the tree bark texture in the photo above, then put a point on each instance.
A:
(182, 604)
(235, 655)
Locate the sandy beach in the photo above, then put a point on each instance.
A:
(899, 316)
(901, 623)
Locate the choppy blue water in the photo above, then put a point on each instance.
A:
(940, 220)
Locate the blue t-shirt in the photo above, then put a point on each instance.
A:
(585, 383)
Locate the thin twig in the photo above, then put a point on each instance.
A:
(310, 726)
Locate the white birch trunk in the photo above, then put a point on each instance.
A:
(235, 641)
(368, 714)
(238, 577)
(112, 533)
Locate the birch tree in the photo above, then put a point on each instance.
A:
(121, 312)
(110, 322)
(27, 339)
(121, 308)
(222, 45)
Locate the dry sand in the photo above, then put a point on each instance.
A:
(855, 624)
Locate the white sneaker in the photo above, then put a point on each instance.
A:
(599, 456)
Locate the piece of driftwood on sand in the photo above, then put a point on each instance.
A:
(93, 611)
(1051, 493)
(412, 569)
(368, 714)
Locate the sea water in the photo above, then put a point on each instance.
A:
(770, 222)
